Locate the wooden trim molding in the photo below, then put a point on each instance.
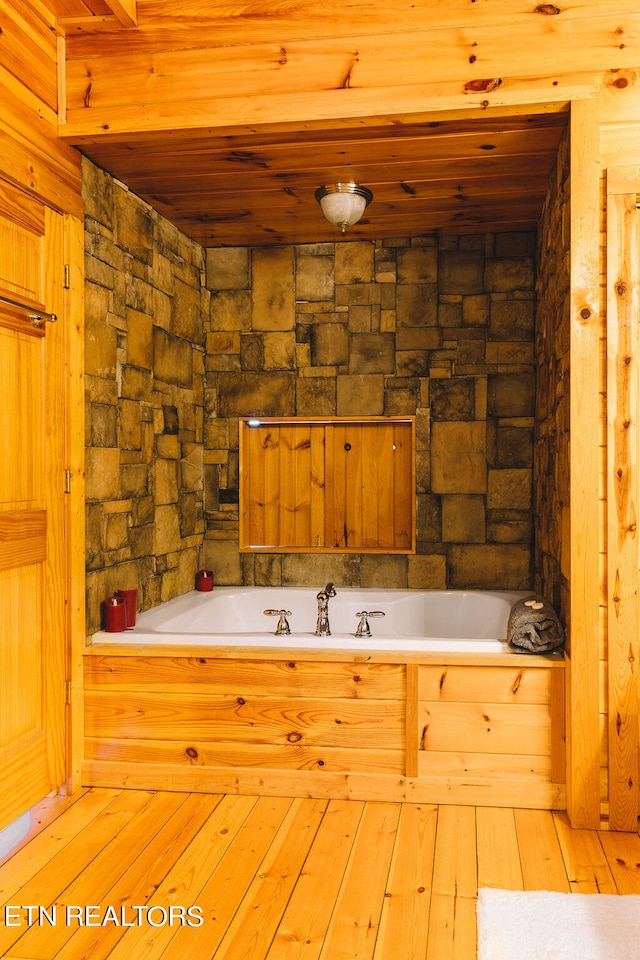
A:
(623, 612)
(583, 790)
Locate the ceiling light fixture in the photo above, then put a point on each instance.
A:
(343, 203)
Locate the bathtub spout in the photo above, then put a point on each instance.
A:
(322, 624)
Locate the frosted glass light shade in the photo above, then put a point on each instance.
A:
(343, 203)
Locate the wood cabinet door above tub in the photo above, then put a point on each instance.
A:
(328, 485)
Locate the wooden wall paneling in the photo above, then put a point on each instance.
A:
(582, 703)
(29, 50)
(557, 709)
(623, 347)
(363, 109)
(189, 79)
(340, 723)
(291, 677)
(490, 767)
(160, 29)
(493, 684)
(485, 728)
(245, 780)
(267, 726)
(190, 752)
(31, 156)
(412, 732)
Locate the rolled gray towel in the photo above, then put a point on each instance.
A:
(534, 626)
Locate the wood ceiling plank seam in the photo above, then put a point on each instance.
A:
(393, 133)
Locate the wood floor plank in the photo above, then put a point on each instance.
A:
(452, 928)
(284, 879)
(184, 882)
(24, 864)
(47, 884)
(540, 854)
(622, 851)
(228, 880)
(251, 931)
(404, 924)
(497, 849)
(452, 922)
(41, 816)
(301, 932)
(585, 861)
(454, 868)
(354, 925)
(143, 876)
(92, 885)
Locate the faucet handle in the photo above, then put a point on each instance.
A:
(363, 629)
(283, 628)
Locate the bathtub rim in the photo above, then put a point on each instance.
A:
(335, 647)
(328, 653)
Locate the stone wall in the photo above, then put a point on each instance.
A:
(551, 478)
(144, 398)
(440, 328)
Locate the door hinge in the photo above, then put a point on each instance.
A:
(67, 692)
(67, 276)
(67, 480)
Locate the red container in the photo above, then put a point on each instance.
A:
(114, 614)
(204, 580)
(130, 598)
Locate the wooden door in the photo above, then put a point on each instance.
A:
(33, 651)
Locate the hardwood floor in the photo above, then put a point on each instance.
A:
(278, 879)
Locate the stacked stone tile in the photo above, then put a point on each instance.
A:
(551, 473)
(440, 328)
(144, 398)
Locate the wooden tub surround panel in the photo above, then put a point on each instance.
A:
(436, 731)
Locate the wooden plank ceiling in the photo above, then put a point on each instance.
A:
(456, 177)
(200, 109)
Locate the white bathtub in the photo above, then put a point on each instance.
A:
(451, 620)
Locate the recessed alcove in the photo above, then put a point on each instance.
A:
(461, 356)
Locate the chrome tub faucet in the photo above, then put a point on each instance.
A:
(322, 625)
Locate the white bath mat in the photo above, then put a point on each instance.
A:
(539, 925)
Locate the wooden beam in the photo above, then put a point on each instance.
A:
(583, 800)
(623, 625)
(126, 11)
